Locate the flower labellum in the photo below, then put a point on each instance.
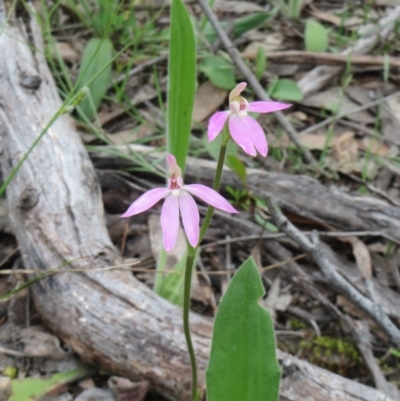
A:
(179, 201)
(244, 129)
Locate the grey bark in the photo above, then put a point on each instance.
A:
(109, 318)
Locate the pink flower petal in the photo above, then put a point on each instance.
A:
(267, 107)
(146, 201)
(216, 124)
(239, 88)
(211, 197)
(170, 221)
(238, 129)
(190, 217)
(255, 134)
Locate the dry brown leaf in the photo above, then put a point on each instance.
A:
(270, 43)
(314, 142)
(298, 115)
(362, 256)
(270, 302)
(38, 343)
(146, 92)
(208, 99)
(334, 19)
(67, 52)
(126, 390)
(346, 153)
(276, 301)
(236, 7)
(128, 136)
(373, 146)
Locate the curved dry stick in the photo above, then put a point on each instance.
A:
(109, 318)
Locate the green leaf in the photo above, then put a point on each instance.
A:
(181, 82)
(31, 388)
(261, 62)
(243, 363)
(285, 89)
(95, 73)
(241, 25)
(315, 37)
(236, 165)
(219, 71)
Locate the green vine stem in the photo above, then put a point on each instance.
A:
(190, 260)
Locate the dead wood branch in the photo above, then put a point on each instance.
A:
(347, 113)
(109, 318)
(305, 57)
(370, 307)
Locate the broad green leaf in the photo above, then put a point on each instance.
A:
(243, 363)
(219, 71)
(285, 89)
(181, 82)
(241, 25)
(315, 37)
(95, 73)
(32, 388)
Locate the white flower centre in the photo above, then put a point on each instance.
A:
(239, 106)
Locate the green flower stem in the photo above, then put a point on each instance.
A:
(186, 309)
(190, 260)
(217, 179)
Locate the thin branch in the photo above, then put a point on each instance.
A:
(252, 80)
(305, 57)
(346, 113)
(332, 234)
(334, 278)
(360, 332)
(141, 67)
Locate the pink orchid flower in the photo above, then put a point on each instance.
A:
(244, 129)
(179, 200)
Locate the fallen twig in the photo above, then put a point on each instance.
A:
(360, 332)
(305, 57)
(334, 278)
(139, 68)
(346, 113)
